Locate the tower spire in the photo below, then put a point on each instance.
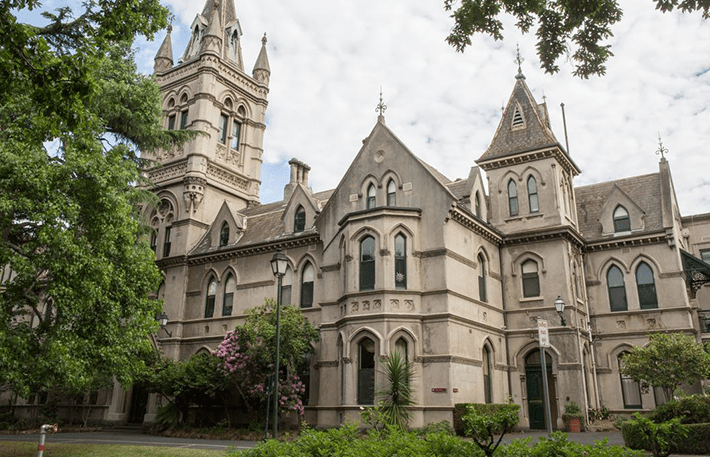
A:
(212, 40)
(164, 58)
(262, 70)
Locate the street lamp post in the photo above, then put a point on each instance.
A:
(278, 266)
(163, 320)
(545, 342)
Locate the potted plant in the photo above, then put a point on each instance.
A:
(573, 418)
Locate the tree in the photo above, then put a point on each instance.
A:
(397, 396)
(579, 27)
(247, 355)
(482, 422)
(669, 360)
(74, 115)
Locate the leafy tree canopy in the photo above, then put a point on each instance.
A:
(74, 114)
(574, 29)
(669, 360)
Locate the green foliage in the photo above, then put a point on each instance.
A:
(694, 409)
(558, 445)
(374, 416)
(396, 397)
(642, 433)
(599, 414)
(573, 29)
(483, 424)
(669, 360)
(461, 409)
(74, 113)
(435, 427)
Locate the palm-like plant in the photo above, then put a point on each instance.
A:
(397, 396)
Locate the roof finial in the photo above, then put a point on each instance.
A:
(661, 150)
(263, 39)
(519, 60)
(381, 107)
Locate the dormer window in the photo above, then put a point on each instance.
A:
(371, 199)
(299, 220)
(622, 223)
(224, 235)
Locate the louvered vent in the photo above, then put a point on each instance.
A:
(518, 117)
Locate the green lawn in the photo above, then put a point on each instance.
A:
(17, 449)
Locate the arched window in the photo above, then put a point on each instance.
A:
(482, 278)
(477, 204)
(532, 195)
(286, 288)
(531, 280)
(167, 242)
(512, 198)
(223, 126)
(400, 261)
(209, 302)
(367, 263)
(307, 286)
(401, 347)
(154, 240)
(391, 193)
(487, 386)
(224, 235)
(617, 291)
(236, 134)
(646, 286)
(299, 220)
(230, 288)
(371, 200)
(630, 389)
(366, 372)
(622, 223)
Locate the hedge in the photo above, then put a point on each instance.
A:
(697, 441)
(694, 409)
(484, 408)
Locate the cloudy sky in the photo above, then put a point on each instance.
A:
(329, 58)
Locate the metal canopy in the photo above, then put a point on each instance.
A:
(697, 272)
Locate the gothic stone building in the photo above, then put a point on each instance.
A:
(399, 257)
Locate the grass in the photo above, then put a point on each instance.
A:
(17, 449)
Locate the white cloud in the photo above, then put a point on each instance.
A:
(329, 59)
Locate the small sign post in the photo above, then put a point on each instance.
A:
(544, 338)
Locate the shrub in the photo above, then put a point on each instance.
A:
(435, 427)
(462, 408)
(482, 423)
(642, 433)
(599, 414)
(694, 409)
(558, 445)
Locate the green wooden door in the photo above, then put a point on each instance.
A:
(536, 400)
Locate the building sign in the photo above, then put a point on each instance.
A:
(542, 333)
(438, 389)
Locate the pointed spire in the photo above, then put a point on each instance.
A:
(381, 107)
(164, 58)
(519, 60)
(212, 40)
(262, 70)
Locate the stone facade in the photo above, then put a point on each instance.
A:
(398, 257)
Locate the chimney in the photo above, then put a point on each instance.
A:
(299, 176)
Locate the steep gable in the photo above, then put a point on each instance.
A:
(300, 198)
(210, 241)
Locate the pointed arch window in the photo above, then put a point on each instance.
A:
(307, 278)
(512, 198)
(400, 261)
(391, 193)
(630, 389)
(531, 279)
(482, 295)
(223, 125)
(477, 204)
(371, 199)
(487, 385)
(154, 240)
(299, 220)
(646, 286)
(366, 372)
(367, 263)
(401, 347)
(286, 288)
(209, 302)
(617, 290)
(532, 195)
(167, 242)
(224, 235)
(230, 289)
(622, 223)
(236, 134)
(171, 122)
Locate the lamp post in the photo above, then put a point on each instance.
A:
(544, 343)
(278, 266)
(163, 320)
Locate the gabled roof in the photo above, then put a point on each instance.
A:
(644, 190)
(533, 134)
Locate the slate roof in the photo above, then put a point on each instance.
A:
(508, 140)
(459, 188)
(644, 190)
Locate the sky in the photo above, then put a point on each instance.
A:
(329, 59)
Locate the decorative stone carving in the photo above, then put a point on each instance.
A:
(227, 177)
(621, 324)
(193, 193)
(409, 304)
(227, 155)
(354, 307)
(166, 173)
(651, 323)
(394, 303)
(366, 305)
(377, 305)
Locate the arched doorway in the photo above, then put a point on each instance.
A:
(536, 399)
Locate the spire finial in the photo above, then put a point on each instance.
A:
(263, 39)
(170, 28)
(519, 60)
(381, 107)
(661, 150)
